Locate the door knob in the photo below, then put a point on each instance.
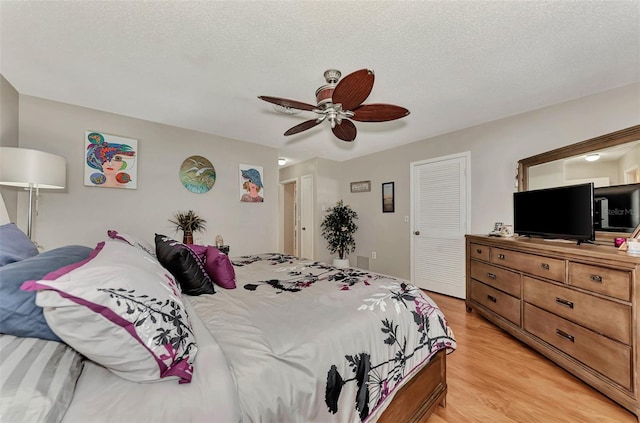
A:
(304, 229)
(416, 233)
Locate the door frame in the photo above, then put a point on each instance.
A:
(311, 221)
(281, 221)
(467, 157)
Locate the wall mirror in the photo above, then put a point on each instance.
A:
(617, 163)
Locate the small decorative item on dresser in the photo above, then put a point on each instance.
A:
(188, 222)
(219, 241)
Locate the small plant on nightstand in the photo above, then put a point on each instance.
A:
(188, 222)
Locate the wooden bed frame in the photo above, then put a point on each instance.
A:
(418, 398)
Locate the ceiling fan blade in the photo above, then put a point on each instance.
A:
(379, 112)
(346, 130)
(353, 89)
(308, 124)
(287, 103)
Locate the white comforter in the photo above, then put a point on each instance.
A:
(296, 341)
(307, 342)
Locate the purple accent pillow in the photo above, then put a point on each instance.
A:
(220, 269)
(185, 265)
(15, 245)
(123, 310)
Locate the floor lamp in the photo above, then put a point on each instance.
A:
(31, 169)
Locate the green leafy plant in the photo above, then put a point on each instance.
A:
(188, 221)
(338, 227)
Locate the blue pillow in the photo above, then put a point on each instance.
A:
(19, 314)
(15, 245)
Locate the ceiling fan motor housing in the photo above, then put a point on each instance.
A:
(324, 94)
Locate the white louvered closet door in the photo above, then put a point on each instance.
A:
(440, 220)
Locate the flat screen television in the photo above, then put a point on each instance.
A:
(560, 213)
(617, 208)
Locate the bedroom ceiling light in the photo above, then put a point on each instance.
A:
(592, 157)
(282, 161)
(22, 167)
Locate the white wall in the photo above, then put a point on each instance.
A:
(495, 150)
(9, 123)
(81, 214)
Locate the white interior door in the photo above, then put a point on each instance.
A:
(439, 215)
(288, 221)
(306, 217)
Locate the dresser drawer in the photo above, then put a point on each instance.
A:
(603, 316)
(479, 251)
(496, 301)
(545, 267)
(502, 279)
(611, 282)
(608, 357)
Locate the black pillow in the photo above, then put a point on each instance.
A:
(184, 265)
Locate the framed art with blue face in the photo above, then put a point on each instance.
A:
(251, 184)
(110, 161)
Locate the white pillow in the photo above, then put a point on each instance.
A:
(123, 310)
(132, 240)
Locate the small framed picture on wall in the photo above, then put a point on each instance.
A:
(388, 199)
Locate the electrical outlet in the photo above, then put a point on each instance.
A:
(406, 219)
(373, 255)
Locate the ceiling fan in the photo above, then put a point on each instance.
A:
(340, 101)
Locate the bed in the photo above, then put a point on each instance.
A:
(280, 339)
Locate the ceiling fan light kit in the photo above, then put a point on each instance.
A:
(341, 100)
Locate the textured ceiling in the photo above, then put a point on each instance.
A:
(201, 65)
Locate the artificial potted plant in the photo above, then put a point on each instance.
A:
(188, 222)
(338, 227)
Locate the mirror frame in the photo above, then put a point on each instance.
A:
(622, 136)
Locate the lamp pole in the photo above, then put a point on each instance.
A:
(30, 217)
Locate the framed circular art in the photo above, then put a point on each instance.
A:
(197, 174)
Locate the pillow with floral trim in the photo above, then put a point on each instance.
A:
(185, 265)
(123, 310)
(132, 240)
(15, 245)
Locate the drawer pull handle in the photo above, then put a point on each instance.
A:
(492, 298)
(564, 302)
(596, 278)
(545, 266)
(491, 275)
(501, 256)
(479, 251)
(564, 335)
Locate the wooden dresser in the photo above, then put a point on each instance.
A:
(577, 305)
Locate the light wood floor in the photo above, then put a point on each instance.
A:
(493, 378)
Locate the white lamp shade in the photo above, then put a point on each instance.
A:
(22, 167)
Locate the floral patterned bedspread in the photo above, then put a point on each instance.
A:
(309, 342)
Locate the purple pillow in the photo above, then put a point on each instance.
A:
(219, 268)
